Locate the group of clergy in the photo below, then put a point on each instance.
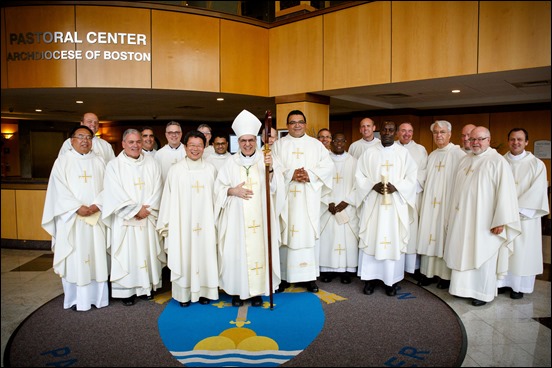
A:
(293, 212)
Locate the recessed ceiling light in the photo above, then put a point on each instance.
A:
(220, 99)
(38, 110)
(79, 101)
(455, 91)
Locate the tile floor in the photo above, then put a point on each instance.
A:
(503, 333)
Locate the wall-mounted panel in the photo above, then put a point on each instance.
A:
(243, 58)
(433, 39)
(186, 52)
(9, 220)
(514, 35)
(30, 205)
(40, 47)
(116, 44)
(296, 57)
(357, 46)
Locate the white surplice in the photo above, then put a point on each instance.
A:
(187, 222)
(442, 166)
(100, 147)
(531, 188)
(137, 256)
(384, 229)
(168, 156)
(299, 255)
(243, 226)
(79, 243)
(218, 160)
(339, 239)
(419, 154)
(357, 148)
(483, 197)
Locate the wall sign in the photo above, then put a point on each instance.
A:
(542, 149)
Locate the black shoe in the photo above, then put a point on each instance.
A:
(425, 281)
(236, 301)
(129, 301)
(345, 279)
(478, 303)
(203, 300)
(256, 301)
(502, 290)
(516, 295)
(326, 277)
(312, 287)
(443, 284)
(390, 290)
(283, 286)
(74, 307)
(146, 297)
(368, 288)
(185, 304)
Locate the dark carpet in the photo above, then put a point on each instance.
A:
(413, 328)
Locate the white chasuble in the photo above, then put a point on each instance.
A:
(187, 222)
(254, 237)
(242, 226)
(483, 197)
(531, 187)
(385, 229)
(137, 256)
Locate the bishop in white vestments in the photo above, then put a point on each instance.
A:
(242, 220)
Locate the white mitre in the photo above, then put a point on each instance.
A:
(246, 124)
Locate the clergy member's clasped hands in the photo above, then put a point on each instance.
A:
(143, 213)
(301, 175)
(379, 188)
(86, 211)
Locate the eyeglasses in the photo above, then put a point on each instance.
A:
(173, 133)
(480, 139)
(300, 122)
(442, 132)
(81, 137)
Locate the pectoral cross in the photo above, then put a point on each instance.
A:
(140, 183)
(440, 166)
(339, 249)
(198, 229)
(387, 164)
(292, 231)
(197, 187)
(256, 268)
(435, 202)
(295, 191)
(297, 153)
(85, 176)
(254, 227)
(337, 178)
(385, 242)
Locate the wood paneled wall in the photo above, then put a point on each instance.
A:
(22, 214)
(9, 221)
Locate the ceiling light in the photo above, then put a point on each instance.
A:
(79, 101)
(38, 110)
(220, 99)
(455, 91)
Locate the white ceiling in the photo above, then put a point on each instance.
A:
(112, 104)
